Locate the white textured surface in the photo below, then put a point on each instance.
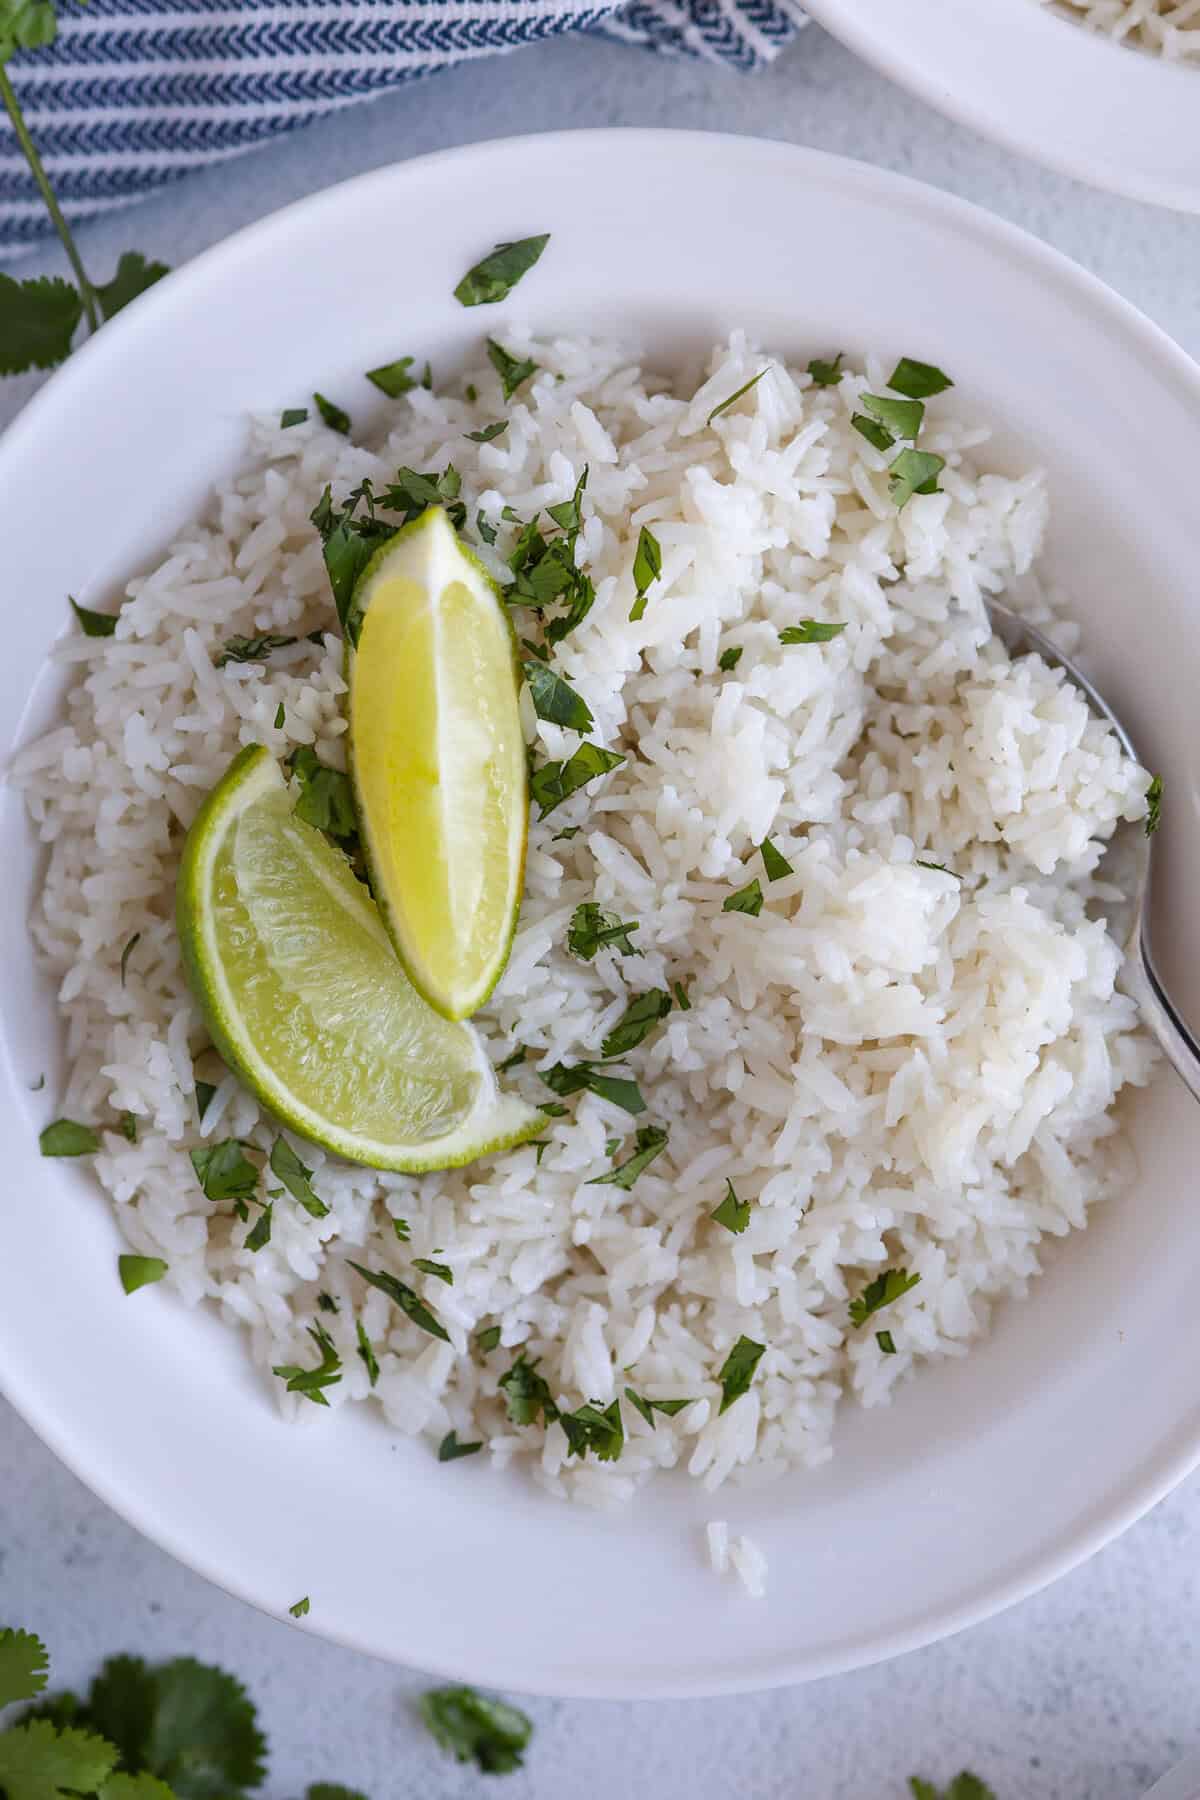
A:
(1084, 1693)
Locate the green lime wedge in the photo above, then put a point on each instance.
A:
(438, 760)
(304, 996)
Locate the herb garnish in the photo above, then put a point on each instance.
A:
(127, 952)
(497, 275)
(511, 369)
(68, 1138)
(555, 782)
(487, 1339)
(775, 862)
(326, 795)
(129, 1127)
(311, 1382)
(412, 492)
(259, 1235)
(914, 472)
(886, 1342)
(919, 380)
(899, 418)
(940, 868)
(449, 1450)
(287, 1167)
(555, 699)
(488, 433)
(477, 1729)
(92, 624)
(279, 716)
(737, 1371)
(964, 1787)
(744, 389)
(636, 1022)
(650, 1141)
(349, 541)
(826, 374)
(204, 1093)
(409, 1302)
(327, 1303)
(251, 649)
(647, 567)
(681, 996)
(139, 1271)
(366, 1352)
(591, 1428)
(401, 1229)
(811, 631)
(513, 1061)
(747, 900)
(880, 1293)
(299, 1608)
(442, 1271)
(729, 659)
(1154, 795)
(526, 1394)
(292, 415)
(393, 379)
(332, 415)
(486, 531)
(224, 1172)
(574, 1079)
(648, 1408)
(876, 434)
(593, 929)
(733, 1214)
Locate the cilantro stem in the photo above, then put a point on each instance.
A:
(87, 292)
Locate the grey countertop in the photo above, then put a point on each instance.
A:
(1087, 1692)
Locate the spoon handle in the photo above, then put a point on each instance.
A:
(1181, 1049)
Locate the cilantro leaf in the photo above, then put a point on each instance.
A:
(901, 418)
(413, 492)
(810, 631)
(366, 1351)
(401, 1229)
(1154, 795)
(649, 1142)
(224, 1172)
(259, 1235)
(24, 1666)
(555, 782)
(26, 25)
(886, 1342)
(592, 928)
(393, 378)
(488, 433)
(127, 952)
(885, 1288)
(251, 649)
(287, 1167)
(733, 1214)
(204, 1093)
(349, 540)
(68, 1138)
(565, 1080)
(775, 862)
(332, 415)
(876, 434)
(450, 1449)
(499, 272)
(326, 795)
(477, 1729)
(555, 699)
(729, 659)
(279, 716)
(487, 1339)
(914, 472)
(748, 899)
(409, 1302)
(648, 1408)
(681, 996)
(135, 1787)
(569, 513)
(487, 532)
(39, 1762)
(744, 389)
(299, 1610)
(37, 321)
(139, 1271)
(134, 275)
(511, 369)
(593, 1428)
(919, 380)
(441, 1271)
(190, 1725)
(93, 624)
(292, 415)
(647, 567)
(737, 1371)
(826, 374)
(526, 1393)
(636, 1022)
(310, 1382)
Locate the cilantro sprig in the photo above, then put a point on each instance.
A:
(881, 1292)
(475, 1728)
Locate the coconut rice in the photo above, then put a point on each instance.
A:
(898, 1065)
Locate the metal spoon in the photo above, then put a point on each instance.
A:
(1129, 844)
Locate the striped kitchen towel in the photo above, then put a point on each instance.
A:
(134, 93)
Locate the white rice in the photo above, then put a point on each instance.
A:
(1168, 28)
(896, 1066)
(741, 1554)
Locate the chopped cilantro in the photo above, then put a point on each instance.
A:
(366, 1352)
(66, 1137)
(681, 997)
(128, 1127)
(279, 716)
(412, 492)
(650, 1141)
(940, 868)
(513, 1061)
(409, 1302)
(326, 795)
(748, 899)
(567, 833)
(441, 1271)
(393, 379)
(555, 782)
(592, 929)
(880, 1293)
(900, 418)
(591, 1428)
(737, 1371)
(636, 1022)
(744, 389)
(648, 1408)
(511, 369)
(127, 952)
(497, 275)
(312, 1382)
(259, 1235)
(332, 415)
(826, 374)
(401, 1229)
(489, 432)
(349, 539)
(733, 1214)
(553, 1110)
(204, 1093)
(775, 862)
(449, 1450)
(486, 531)
(139, 1271)
(564, 1080)
(914, 472)
(539, 1146)
(93, 624)
(293, 415)
(555, 699)
(919, 380)
(568, 514)
(24, 1666)
(327, 1303)
(224, 1172)
(299, 1608)
(287, 1167)
(476, 1729)
(252, 649)
(886, 1342)
(729, 659)
(526, 1394)
(1154, 795)
(487, 1339)
(647, 567)
(471, 392)
(810, 631)
(876, 434)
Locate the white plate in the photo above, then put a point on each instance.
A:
(989, 1476)
(1116, 117)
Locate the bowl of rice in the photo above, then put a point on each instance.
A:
(1103, 90)
(845, 1296)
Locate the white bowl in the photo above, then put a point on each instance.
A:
(1116, 117)
(988, 1476)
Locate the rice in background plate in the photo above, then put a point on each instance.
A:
(898, 1065)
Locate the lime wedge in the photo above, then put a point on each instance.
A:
(438, 760)
(304, 997)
